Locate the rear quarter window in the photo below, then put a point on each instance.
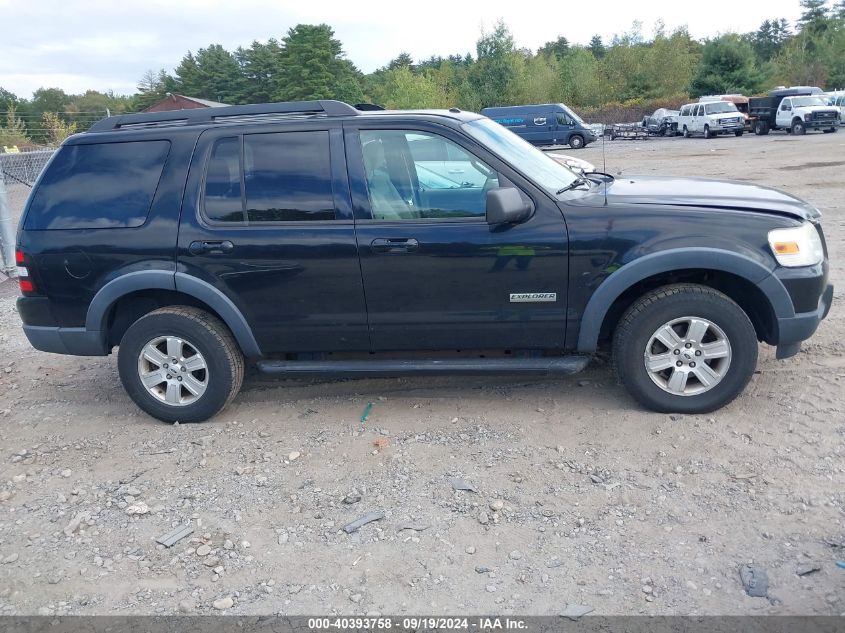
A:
(98, 186)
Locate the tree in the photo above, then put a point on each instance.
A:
(55, 129)
(212, 74)
(48, 100)
(559, 47)
(313, 66)
(13, 131)
(490, 77)
(596, 47)
(769, 39)
(814, 16)
(727, 65)
(402, 60)
(152, 88)
(260, 65)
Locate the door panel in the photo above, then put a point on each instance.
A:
(291, 270)
(442, 278)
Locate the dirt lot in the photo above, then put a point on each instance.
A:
(582, 497)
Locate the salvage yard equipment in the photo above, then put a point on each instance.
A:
(627, 131)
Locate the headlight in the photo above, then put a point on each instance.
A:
(797, 246)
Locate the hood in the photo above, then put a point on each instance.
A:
(704, 193)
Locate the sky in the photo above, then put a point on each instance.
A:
(108, 44)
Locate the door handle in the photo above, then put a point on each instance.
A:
(394, 245)
(202, 247)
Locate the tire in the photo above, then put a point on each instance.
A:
(798, 127)
(634, 338)
(761, 128)
(707, 132)
(205, 339)
(738, 133)
(576, 141)
(685, 133)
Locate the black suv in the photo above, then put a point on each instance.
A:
(315, 238)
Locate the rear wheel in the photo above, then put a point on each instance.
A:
(685, 348)
(576, 141)
(180, 364)
(761, 128)
(798, 127)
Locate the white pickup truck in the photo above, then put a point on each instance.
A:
(793, 113)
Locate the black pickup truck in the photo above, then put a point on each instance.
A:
(313, 238)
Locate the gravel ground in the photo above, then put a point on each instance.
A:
(579, 496)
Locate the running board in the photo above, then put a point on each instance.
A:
(559, 365)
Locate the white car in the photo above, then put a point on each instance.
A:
(710, 119)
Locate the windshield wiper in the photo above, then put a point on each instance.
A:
(575, 183)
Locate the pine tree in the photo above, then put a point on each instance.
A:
(596, 47)
(814, 17)
(313, 66)
(212, 74)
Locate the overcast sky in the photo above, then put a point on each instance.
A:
(108, 45)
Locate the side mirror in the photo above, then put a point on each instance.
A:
(506, 206)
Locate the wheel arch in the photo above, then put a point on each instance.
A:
(748, 282)
(125, 299)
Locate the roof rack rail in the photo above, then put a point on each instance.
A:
(225, 114)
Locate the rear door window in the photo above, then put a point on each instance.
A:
(288, 177)
(98, 186)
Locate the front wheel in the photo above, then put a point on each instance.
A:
(576, 141)
(738, 133)
(707, 132)
(181, 364)
(798, 127)
(685, 348)
(686, 132)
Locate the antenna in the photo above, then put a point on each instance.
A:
(604, 162)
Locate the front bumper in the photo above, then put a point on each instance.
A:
(792, 330)
(823, 123)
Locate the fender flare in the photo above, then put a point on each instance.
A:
(677, 259)
(95, 320)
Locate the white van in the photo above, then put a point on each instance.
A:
(837, 100)
(710, 119)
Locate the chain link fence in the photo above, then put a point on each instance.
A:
(18, 173)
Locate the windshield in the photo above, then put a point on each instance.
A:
(575, 116)
(803, 102)
(545, 171)
(719, 107)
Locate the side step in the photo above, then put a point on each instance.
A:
(559, 365)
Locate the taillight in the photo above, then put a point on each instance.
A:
(24, 281)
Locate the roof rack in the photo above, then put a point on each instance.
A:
(227, 114)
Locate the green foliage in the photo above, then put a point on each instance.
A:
(259, 65)
(631, 73)
(491, 76)
(814, 17)
(727, 66)
(558, 48)
(313, 66)
(213, 73)
(56, 129)
(13, 130)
